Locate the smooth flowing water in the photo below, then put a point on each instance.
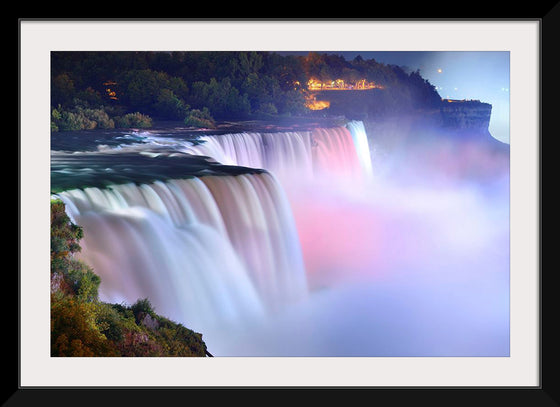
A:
(288, 243)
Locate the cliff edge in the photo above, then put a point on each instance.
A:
(465, 114)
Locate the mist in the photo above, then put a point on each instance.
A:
(390, 239)
(413, 261)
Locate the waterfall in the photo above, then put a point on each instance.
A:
(333, 152)
(207, 250)
(359, 136)
(212, 248)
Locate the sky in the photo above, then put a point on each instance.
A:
(479, 75)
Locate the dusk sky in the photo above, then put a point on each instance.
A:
(475, 75)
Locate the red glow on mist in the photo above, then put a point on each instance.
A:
(337, 239)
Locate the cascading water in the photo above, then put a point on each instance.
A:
(359, 136)
(211, 249)
(304, 155)
(277, 243)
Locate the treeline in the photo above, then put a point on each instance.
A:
(130, 89)
(84, 326)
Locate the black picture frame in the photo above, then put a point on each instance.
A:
(546, 394)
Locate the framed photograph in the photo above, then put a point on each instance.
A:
(320, 204)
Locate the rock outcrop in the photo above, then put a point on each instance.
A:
(465, 114)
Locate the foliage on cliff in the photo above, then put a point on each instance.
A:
(82, 325)
(93, 88)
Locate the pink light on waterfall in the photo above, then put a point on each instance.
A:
(334, 152)
(314, 256)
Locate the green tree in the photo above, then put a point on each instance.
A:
(223, 100)
(83, 282)
(169, 106)
(140, 89)
(291, 102)
(152, 92)
(62, 89)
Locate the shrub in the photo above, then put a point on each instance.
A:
(83, 281)
(200, 118)
(99, 117)
(74, 331)
(133, 120)
(56, 117)
(80, 118)
(112, 323)
(69, 275)
(72, 121)
(142, 308)
(65, 236)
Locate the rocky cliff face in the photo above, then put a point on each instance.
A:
(465, 115)
(379, 105)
